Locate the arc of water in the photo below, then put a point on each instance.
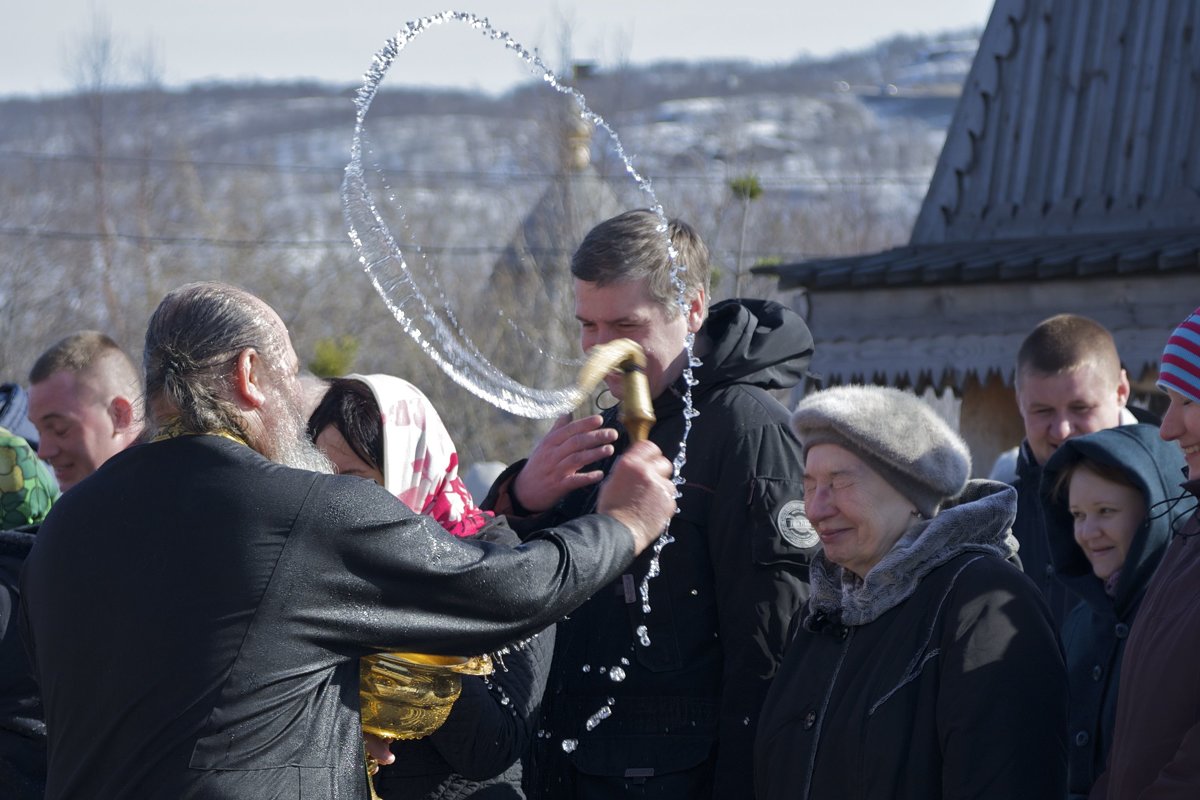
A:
(384, 262)
(383, 259)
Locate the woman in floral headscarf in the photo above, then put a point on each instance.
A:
(384, 429)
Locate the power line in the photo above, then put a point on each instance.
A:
(201, 242)
(478, 176)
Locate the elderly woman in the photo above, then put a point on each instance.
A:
(1102, 494)
(925, 665)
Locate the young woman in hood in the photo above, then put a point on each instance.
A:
(1101, 494)
(384, 429)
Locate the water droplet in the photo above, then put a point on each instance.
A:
(569, 745)
(586, 668)
(643, 635)
(616, 674)
(595, 719)
(695, 593)
(746, 721)
(625, 661)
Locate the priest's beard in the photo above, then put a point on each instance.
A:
(285, 437)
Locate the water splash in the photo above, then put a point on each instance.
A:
(434, 327)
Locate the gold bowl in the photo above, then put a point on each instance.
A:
(409, 695)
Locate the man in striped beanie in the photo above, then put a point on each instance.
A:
(1180, 368)
(1156, 741)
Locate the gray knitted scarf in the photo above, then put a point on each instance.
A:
(979, 521)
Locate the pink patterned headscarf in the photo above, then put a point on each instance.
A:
(420, 465)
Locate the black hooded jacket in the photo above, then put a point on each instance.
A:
(684, 713)
(1030, 530)
(1096, 630)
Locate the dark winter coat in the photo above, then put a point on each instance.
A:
(1097, 629)
(1156, 744)
(22, 732)
(476, 752)
(196, 615)
(939, 676)
(684, 714)
(1030, 530)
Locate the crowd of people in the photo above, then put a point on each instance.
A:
(198, 555)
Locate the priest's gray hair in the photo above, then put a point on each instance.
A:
(192, 346)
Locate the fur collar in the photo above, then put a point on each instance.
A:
(980, 521)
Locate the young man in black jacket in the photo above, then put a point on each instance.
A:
(1069, 382)
(683, 681)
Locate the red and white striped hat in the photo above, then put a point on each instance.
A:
(1180, 367)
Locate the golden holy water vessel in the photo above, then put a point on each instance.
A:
(409, 695)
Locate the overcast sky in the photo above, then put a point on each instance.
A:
(331, 41)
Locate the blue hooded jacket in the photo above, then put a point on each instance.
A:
(14, 413)
(1096, 629)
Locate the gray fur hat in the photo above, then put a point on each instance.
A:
(896, 433)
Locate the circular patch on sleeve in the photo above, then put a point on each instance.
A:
(794, 526)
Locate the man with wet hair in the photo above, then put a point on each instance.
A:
(85, 399)
(1069, 382)
(196, 611)
(687, 674)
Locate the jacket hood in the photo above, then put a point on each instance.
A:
(756, 342)
(14, 413)
(1148, 463)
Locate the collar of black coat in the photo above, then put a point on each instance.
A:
(979, 520)
(173, 427)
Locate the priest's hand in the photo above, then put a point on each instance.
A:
(378, 749)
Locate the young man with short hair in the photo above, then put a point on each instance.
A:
(684, 682)
(85, 399)
(1069, 382)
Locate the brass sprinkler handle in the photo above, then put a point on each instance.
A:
(637, 411)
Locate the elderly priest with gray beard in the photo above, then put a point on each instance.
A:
(197, 608)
